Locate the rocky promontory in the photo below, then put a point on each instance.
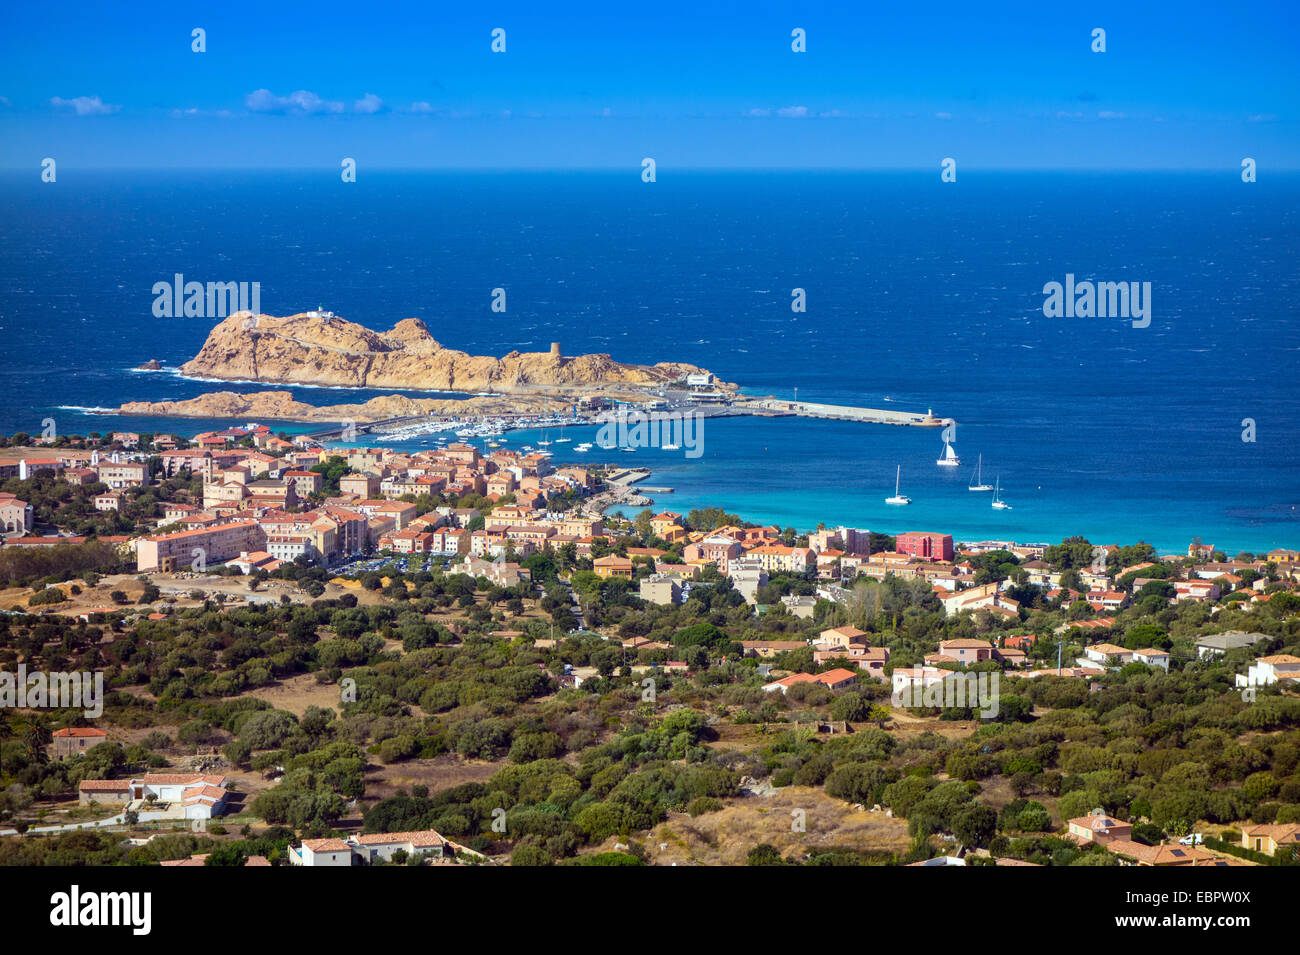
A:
(318, 348)
(280, 405)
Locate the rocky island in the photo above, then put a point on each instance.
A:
(318, 348)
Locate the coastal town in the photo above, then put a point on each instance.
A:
(355, 560)
(730, 437)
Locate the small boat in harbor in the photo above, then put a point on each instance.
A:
(1000, 504)
(949, 459)
(898, 498)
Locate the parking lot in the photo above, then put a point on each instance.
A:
(395, 564)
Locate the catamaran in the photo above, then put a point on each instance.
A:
(898, 498)
(1000, 504)
(949, 459)
(977, 481)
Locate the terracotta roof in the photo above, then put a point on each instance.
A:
(326, 845)
(180, 779)
(420, 839)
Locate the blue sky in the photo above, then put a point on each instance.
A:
(996, 85)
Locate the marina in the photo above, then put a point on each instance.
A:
(495, 426)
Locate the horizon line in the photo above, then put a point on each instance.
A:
(633, 168)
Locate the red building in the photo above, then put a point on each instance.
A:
(925, 546)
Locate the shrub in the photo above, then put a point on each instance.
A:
(530, 855)
(703, 804)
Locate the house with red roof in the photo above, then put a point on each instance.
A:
(75, 740)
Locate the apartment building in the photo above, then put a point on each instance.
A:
(214, 544)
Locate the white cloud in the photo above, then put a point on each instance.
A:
(421, 107)
(194, 111)
(787, 112)
(1109, 114)
(85, 105)
(943, 115)
(370, 103)
(300, 102)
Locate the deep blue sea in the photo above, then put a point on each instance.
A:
(920, 295)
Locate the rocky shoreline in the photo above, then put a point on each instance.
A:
(281, 406)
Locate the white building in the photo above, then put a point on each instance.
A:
(1269, 670)
(1152, 657)
(376, 848)
(321, 852)
(182, 795)
(380, 846)
(747, 575)
(913, 680)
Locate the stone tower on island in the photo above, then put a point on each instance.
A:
(555, 351)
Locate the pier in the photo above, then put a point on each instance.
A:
(808, 409)
(357, 428)
(626, 476)
(739, 406)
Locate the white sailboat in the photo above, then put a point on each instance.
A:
(898, 498)
(1000, 504)
(949, 459)
(977, 482)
